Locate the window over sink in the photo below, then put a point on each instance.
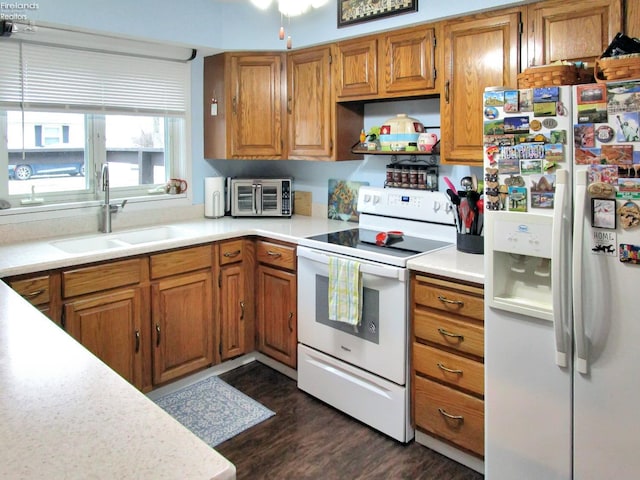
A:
(67, 106)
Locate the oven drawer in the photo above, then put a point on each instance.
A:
(458, 335)
(450, 414)
(374, 401)
(449, 297)
(455, 370)
(276, 255)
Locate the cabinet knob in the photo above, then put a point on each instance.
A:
(241, 310)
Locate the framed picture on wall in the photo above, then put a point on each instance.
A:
(357, 11)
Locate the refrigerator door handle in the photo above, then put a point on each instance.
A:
(582, 363)
(558, 270)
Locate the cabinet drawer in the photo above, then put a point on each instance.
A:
(449, 297)
(276, 255)
(449, 368)
(231, 252)
(458, 335)
(450, 414)
(101, 277)
(181, 261)
(35, 290)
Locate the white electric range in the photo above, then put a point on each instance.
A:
(363, 371)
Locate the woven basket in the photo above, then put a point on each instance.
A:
(554, 75)
(624, 67)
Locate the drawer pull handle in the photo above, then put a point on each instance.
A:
(231, 254)
(442, 331)
(290, 321)
(274, 254)
(449, 370)
(157, 334)
(241, 310)
(33, 294)
(458, 418)
(451, 302)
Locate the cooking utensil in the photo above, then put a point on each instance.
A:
(467, 183)
(455, 200)
(472, 199)
(466, 216)
(450, 184)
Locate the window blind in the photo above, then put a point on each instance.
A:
(45, 77)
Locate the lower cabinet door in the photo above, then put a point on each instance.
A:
(182, 325)
(276, 314)
(450, 414)
(109, 326)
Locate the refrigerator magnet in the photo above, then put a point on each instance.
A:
(629, 253)
(629, 214)
(603, 243)
(603, 213)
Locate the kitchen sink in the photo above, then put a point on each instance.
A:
(155, 234)
(88, 244)
(119, 240)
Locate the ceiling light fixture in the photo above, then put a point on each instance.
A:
(289, 8)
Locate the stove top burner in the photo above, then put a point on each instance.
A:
(363, 239)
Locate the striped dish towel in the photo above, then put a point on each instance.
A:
(345, 291)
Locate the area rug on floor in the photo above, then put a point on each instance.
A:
(213, 410)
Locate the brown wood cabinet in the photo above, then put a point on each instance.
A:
(479, 51)
(447, 361)
(236, 297)
(249, 120)
(182, 312)
(573, 30)
(104, 309)
(401, 63)
(318, 128)
(42, 290)
(276, 302)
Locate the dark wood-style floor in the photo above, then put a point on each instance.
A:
(308, 439)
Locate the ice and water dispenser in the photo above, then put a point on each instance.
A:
(519, 251)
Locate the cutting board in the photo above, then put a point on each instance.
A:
(302, 203)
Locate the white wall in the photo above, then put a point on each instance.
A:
(218, 25)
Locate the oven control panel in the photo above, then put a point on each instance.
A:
(405, 203)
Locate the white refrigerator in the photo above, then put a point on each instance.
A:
(562, 241)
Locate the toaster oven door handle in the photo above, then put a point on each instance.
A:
(258, 198)
(365, 268)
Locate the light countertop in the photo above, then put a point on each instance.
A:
(65, 414)
(451, 263)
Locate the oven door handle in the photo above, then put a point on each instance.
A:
(365, 268)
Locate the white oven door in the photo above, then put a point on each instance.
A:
(379, 345)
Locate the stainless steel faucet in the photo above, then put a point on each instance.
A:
(107, 209)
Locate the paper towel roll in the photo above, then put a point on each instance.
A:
(214, 197)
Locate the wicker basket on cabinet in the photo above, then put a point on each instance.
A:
(623, 67)
(554, 75)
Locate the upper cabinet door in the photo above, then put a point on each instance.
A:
(479, 51)
(573, 30)
(257, 106)
(309, 103)
(409, 61)
(357, 68)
